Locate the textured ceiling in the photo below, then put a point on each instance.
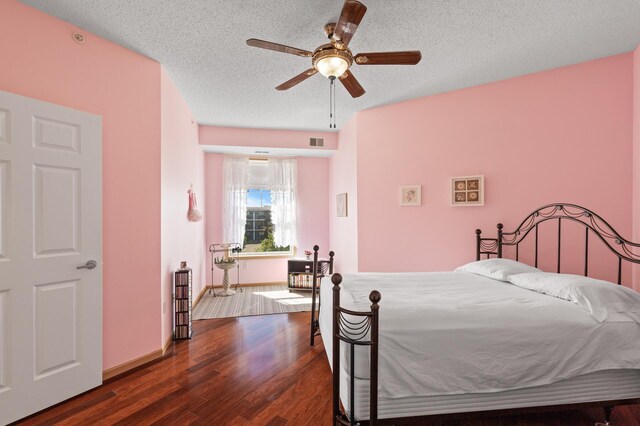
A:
(464, 43)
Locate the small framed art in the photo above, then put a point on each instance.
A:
(467, 191)
(411, 195)
(341, 205)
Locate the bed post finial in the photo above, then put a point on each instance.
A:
(499, 226)
(375, 297)
(316, 248)
(336, 279)
(478, 243)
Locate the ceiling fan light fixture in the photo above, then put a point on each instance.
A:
(332, 66)
(332, 62)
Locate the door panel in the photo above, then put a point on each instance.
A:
(56, 211)
(3, 340)
(4, 126)
(56, 339)
(4, 207)
(50, 223)
(52, 134)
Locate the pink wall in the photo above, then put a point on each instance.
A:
(313, 221)
(182, 165)
(636, 158)
(343, 178)
(313, 198)
(560, 135)
(268, 138)
(103, 78)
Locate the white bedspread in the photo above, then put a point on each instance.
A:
(455, 332)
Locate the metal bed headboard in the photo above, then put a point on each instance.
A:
(592, 222)
(359, 329)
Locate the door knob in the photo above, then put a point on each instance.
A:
(89, 265)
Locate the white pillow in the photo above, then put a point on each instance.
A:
(498, 269)
(600, 298)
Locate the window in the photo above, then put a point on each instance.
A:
(258, 235)
(259, 205)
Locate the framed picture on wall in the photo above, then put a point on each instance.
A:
(341, 205)
(467, 191)
(410, 195)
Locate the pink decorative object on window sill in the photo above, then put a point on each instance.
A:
(193, 214)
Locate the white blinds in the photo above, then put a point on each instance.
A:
(259, 174)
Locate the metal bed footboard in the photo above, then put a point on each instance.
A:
(356, 328)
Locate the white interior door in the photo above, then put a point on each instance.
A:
(50, 223)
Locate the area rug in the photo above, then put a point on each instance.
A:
(259, 300)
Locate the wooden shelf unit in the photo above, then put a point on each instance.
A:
(300, 273)
(182, 304)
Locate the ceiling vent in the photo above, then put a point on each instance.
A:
(317, 142)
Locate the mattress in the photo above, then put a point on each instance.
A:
(456, 333)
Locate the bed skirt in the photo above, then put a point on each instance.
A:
(598, 386)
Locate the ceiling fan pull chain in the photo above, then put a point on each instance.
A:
(334, 101)
(331, 104)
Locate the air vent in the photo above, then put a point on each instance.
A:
(318, 142)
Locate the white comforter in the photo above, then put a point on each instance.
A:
(456, 332)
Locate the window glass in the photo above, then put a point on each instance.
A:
(258, 235)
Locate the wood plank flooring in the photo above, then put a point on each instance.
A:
(249, 371)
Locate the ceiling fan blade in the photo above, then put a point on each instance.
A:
(278, 47)
(352, 13)
(297, 79)
(410, 57)
(351, 84)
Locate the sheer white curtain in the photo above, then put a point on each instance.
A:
(284, 202)
(234, 198)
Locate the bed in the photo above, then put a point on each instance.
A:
(470, 342)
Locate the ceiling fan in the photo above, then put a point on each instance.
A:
(334, 59)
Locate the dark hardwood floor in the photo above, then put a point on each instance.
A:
(249, 371)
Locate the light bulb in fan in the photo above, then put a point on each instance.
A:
(332, 66)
